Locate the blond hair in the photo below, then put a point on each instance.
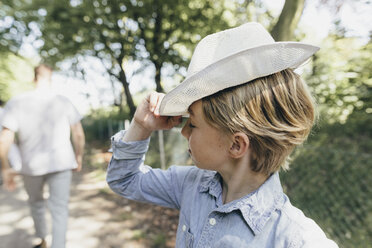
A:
(276, 112)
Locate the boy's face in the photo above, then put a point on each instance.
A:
(208, 147)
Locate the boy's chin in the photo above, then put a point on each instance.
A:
(195, 162)
(200, 166)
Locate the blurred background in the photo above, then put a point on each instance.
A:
(108, 54)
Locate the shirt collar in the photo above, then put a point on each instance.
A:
(256, 207)
(211, 183)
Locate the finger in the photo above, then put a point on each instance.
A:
(174, 121)
(157, 109)
(177, 119)
(154, 97)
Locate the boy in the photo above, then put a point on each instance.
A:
(247, 111)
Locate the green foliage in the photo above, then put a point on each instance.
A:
(126, 216)
(169, 30)
(12, 30)
(138, 235)
(16, 76)
(154, 32)
(159, 240)
(341, 77)
(101, 124)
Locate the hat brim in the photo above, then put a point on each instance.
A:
(234, 70)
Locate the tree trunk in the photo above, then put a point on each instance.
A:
(159, 88)
(288, 20)
(128, 95)
(157, 51)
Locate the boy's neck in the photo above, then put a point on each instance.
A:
(42, 83)
(240, 181)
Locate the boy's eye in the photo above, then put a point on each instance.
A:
(191, 125)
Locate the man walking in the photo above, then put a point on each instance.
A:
(44, 122)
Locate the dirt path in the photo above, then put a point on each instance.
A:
(98, 218)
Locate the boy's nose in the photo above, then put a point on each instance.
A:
(186, 130)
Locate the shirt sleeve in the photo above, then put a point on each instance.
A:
(130, 178)
(73, 114)
(309, 235)
(315, 242)
(9, 118)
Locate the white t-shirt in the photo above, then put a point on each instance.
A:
(42, 120)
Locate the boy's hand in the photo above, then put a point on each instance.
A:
(147, 119)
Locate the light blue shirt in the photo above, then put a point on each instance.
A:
(263, 218)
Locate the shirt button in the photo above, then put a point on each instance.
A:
(184, 228)
(212, 221)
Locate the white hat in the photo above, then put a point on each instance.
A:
(229, 58)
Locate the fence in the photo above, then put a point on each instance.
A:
(103, 129)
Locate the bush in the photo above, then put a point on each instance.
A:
(330, 180)
(101, 124)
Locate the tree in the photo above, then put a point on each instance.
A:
(166, 26)
(97, 29)
(284, 28)
(288, 20)
(151, 31)
(154, 32)
(341, 77)
(12, 31)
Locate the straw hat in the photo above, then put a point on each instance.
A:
(229, 58)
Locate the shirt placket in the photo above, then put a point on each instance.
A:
(209, 230)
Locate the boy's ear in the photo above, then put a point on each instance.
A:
(240, 145)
